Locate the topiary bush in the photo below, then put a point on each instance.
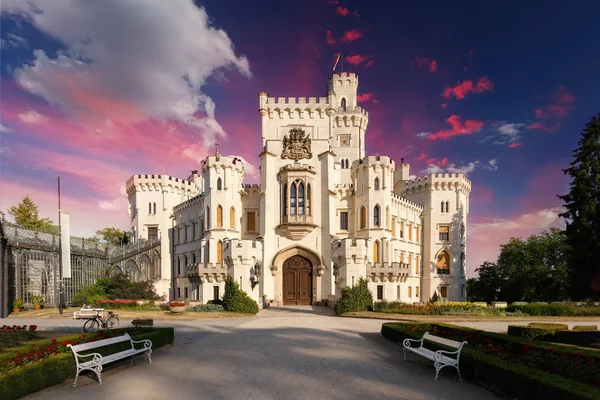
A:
(236, 300)
(355, 298)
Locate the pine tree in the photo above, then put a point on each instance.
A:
(26, 214)
(582, 213)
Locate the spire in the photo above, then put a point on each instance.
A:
(217, 155)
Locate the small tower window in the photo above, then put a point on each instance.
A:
(207, 217)
(154, 204)
(149, 208)
(219, 216)
(447, 206)
(344, 104)
(376, 216)
(363, 217)
(219, 252)
(219, 184)
(376, 184)
(347, 163)
(376, 252)
(442, 206)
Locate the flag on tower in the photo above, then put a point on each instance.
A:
(337, 60)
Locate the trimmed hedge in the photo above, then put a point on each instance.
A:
(579, 337)
(549, 326)
(206, 308)
(502, 376)
(530, 333)
(585, 327)
(33, 377)
(556, 310)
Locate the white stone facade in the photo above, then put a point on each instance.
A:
(323, 215)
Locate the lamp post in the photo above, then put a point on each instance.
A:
(336, 272)
(255, 274)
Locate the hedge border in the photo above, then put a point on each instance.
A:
(501, 376)
(57, 368)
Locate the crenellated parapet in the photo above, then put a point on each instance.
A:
(374, 162)
(196, 202)
(387, 272)
(159, 183)
(348, 250)
(438, 182)
(404, 203)
(224, 162)
(242, 251)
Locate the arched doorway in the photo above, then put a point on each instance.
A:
(297, 281)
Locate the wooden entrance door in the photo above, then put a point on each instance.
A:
(297, 281)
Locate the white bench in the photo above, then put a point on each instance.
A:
(97, 360)
(87, 312)
(440, 358)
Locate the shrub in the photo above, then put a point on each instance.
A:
(585, 327)
(215, 301)
(579, 337)
(207, 308)
(236, 300)
(355, 298)
(116, 286)
(531, 333)
(549, 326)
(556, 309)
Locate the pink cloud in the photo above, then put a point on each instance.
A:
(369, 63)
(422, 156)
(444, 105)
(330, 39)
(516, 144)
(425, 62)
(561, 104)
(462, 89)
(366, 98)
(344, 12)
(356, 59)
(351, 36)
(458, 128)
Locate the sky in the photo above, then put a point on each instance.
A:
(95, 92)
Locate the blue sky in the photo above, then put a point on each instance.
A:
(98, 91)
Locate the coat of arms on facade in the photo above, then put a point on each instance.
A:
(296, 145)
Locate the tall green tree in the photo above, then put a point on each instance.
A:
(113, 235)
(582, 213)
(27, 215)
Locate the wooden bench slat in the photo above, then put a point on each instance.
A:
(101, 343)
(441, 340)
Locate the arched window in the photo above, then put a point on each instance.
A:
(149, 208)
(285, 199)
(442, 205)
(363, 218)
(219, 252)
(387, 217)
(344, 104)
(376, 184)
(347, 163)
(376, 252)
(447, 205)
(219, 184)
(308, 199)
(343, 163)
(293, 197)
(219, 216)
(207, 217)
(376, 216)
(232, 218)
(154, 204)
(443, 263)
(301, 198)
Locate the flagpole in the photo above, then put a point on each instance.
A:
(60, 277)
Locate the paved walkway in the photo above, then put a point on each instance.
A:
(284, 353)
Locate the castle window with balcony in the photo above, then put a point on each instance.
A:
(444, 232)
(376, 216)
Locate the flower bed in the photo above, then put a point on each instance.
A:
(11, 336)
(454, 308)
(515, 366)
(48, 362)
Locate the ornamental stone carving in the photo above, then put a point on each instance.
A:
(296, 145)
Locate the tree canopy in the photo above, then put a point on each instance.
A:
(582, 213)
(27, 215)
(113, 235)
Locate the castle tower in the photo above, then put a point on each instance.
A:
(445, 200)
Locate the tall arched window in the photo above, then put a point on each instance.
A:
(443, 263)
(308, 199)
(219, 216)
(207, 217)
(347, 163)
(301, 198)
(376, 216)
(442, 205)
(232, 217)
(154, 205)
(285, 199)
(219, 252)
(376, 184)
(149, 208)
(376, 252)
(363, 218)
(447, 206)
(219, 184)
(293, 197)
(344, 104)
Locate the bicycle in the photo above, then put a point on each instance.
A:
(93, 324)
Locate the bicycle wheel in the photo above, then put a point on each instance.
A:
(91, 325)
(112, 322)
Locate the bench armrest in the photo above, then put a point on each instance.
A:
(406, 342)
(96, 357)
(439, 353)
(147, 343)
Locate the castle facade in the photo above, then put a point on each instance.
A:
(323, 215)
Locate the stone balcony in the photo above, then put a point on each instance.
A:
(388, 272)
(297, 226)
(206, 273)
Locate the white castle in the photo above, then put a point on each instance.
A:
(323, 215)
